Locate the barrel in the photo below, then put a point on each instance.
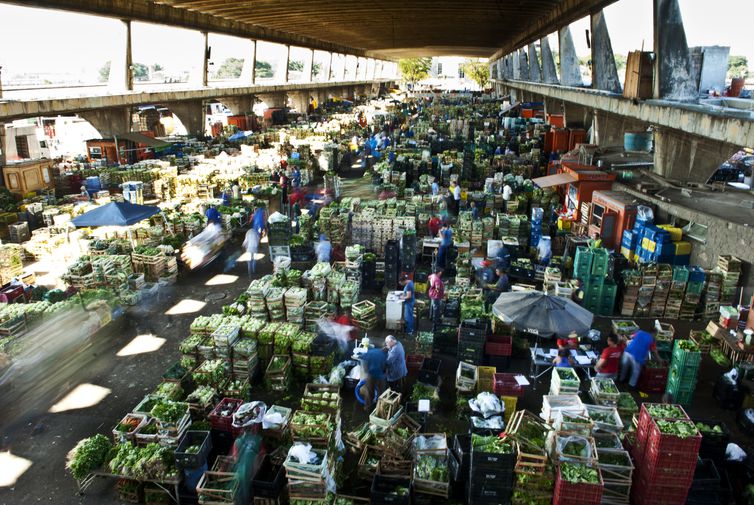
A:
(640, 141)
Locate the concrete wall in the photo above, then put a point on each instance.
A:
(723, 237)
(10, 149)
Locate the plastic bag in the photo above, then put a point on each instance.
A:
(732, 376)
(644, 213)
(734, 453)
(248, 414)
(303, 453)
(582, 442)
(487, 404)
(430, 442)
(493, 423)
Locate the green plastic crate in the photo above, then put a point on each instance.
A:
(684, 376)
(600, 261)
(685, 358)
(680, 274)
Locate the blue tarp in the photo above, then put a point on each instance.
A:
(116, 214)
(237, 136)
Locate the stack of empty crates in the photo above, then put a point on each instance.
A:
(693, 294)
(677, 290)
(712, 290)
(592, 267)
(730, 267)
(661, 291)
(472, 336)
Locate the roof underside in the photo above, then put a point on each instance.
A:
(383, 29)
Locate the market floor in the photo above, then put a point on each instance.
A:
(84, 387)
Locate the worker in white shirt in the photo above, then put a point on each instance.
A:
(507, 191)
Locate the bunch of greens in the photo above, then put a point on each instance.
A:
(167, 411)
(311, 425)
(626, 402)
(577, 473)
(315, 401)
(617, 458)
(202, 395)
(209, 373)
(428, 467)
(153, 462)
(491, 444)
(687, 345)
(277, 364)
(602, 416)
(707, 428)
(302, 342)
(88, 455)
(188, 346)
(423, 391)
(573, 446)
(606, 386)
(662, 411)
(169, 391)
(680, 429)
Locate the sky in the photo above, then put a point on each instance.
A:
(33, 40)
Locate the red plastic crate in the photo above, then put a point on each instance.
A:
(645, 418)
(499, 345)
(679, 473)
(220, 422)
(568, 493)
(414, 363)
(663, 443)
(505, 385)
(653, 380)
(645, 493)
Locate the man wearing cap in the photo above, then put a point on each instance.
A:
(436, 293)
(408, 303)
(486, 275)
(395, 365)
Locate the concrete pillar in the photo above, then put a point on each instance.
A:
(300, 101)
(523, 64)
(3, 157)
(239, 104)
(674, 76)
(576, 116)
(109, 122)
(248, 73)
(570, 75)
(287, 62)
(549, 72)
(535, 74)
(688, 158)
(604, 71)
(192, 115)
(516, 66)
(121, 76)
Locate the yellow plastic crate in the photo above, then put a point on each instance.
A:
(682, 248)
(510, 403)
(649, 245)
(676, 234)
(486, 381)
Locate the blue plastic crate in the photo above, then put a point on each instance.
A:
(682, 260)
(696, 274)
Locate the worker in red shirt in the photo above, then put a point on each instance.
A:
(570, 342)
(434, 224)
(607, 365)
(346, 320)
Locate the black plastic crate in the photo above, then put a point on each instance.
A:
(491, 478)
(706, 475)
(462, 448)
(184, 459)
(269, 480)
(474, 328)
(383, 486)
(455, 468)
(484, 495)
(714, 444)
(492, 461)
(429, 373)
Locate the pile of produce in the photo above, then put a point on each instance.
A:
(202, 395)
(606, 386)
(311, 425)
(680, 429)
(659, 411)
(88, 455)
(315, 401)
(428, 467)
(491, 444)
(209, 373)
(688, 346)
(706, 428)
(302, 342)
(169, 391)
(577, 473)
(153, 462)
(168, 412)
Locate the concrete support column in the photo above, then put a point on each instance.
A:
(570, 75)
(274, 100)
(674, 76)
(577, 116)
(604, 71)
(609, 128)
(686, 157)
(300, 101)
(523, 64)
(239, 104)
(3, 157)
(287, 63)
(248, 73)
(549, 72)
(121, 75)
(192, 115)
(535, 74)
(109, 122)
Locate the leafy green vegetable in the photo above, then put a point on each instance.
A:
(491, 444)
(680, 429)
(661, 411)
(577, 473)
(88, 455)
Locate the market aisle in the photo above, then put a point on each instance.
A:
(88, 385)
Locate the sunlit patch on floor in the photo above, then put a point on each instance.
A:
(185, 306)
(246, 256)
(221, 279)
(81, 397)
(141, 344)
(13, 468)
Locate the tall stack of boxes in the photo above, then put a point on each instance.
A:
(647, 243)
(684, 368)
(730, 267)
(593, 268)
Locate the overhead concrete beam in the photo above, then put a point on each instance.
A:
(724, 126)
(570, 74)
(19, 109)
(109, 122)
(604, 71)
(549, 72)
(150, 12)
(683, 157)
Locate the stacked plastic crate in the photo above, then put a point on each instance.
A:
(730, 267)
(684, 368)
(592, 267)
(472, 336)
(665, 460)
(677, 290)
(490, 474)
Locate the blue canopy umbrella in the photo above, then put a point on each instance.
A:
(115, 214)
(237, 136)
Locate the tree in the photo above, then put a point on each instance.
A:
(414, 69)
(231, 68)
(295, 66)
(316, 69)
(620, 63)
(157, 68)
(738, 66)
(104, 72)
(477, 71)
(263, 69)
(140, 72)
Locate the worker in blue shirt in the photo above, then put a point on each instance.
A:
(503, 258)
(296, 177)
(446, 236)
(639, 348)
(213, 215)
(323, 249)
(408, 303)
(395, 366)
(259, 221)
(503, 285)
(373, 365)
